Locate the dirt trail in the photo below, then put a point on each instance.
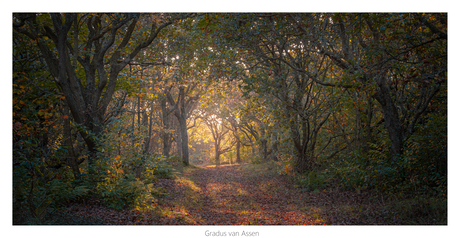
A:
(233, 195)
(238, 195)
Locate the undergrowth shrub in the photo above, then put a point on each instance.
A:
(408, 175)
(420, 210)
(358, 172)
(257, 160)
(312, 182)
(38, 188)
(125, 174)
(159, 166)
(126, 192)
(125, 186)
(285, 165)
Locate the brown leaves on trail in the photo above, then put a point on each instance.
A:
(232, 195)
(237, 195)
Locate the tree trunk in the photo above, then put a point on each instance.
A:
(303, 163)
(178, 139)
(138, 113)
(392, 122)
(274, 155)
(184, 139)
(264, 151)
(71, 157)
(150, 121)
(182, 117)
(166, 127)
(217, 156)
(132, 124)
(238, 156)
(181, 114)
(253, 150)
(369, 121)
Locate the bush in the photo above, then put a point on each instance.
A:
(33, 206)
(38, 189)
(125, 187)
(312, 182)
(285, 165)
(408, 175)
(420, 211)
(158, 167)
(127, 192)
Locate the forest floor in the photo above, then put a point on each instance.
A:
(242, 195)
(251, 195)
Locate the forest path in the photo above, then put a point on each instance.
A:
(249, 194)
(245, 194)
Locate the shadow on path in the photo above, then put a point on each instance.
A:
(240, 195)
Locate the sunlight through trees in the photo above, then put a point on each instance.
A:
(107, 104)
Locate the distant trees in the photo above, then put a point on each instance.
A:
(273, 50)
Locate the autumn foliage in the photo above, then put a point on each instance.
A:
(229, 118)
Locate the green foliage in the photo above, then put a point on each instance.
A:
(379, 174)
(312, 182)
(121, 189)
(420, 170)
(38, 191)
(424, 161)
(420, 210)
(257, 159)
(158, 167)
(125, 185)
(244, 69)
(126, 191)
(64, 191)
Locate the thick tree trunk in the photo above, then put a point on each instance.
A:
(71, 157)
(392, 121)
(264, 149)
(184, 139)
(181, 114)
(238, 155)
(217, 155)
(178, 140)
(303, 163)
